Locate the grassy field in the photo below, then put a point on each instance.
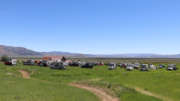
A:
(52, 85)
(15, 88)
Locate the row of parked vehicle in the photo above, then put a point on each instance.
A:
(58, 64)
(44, 63)
(143, 67)
(111, 66)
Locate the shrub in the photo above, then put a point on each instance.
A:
(5, 58)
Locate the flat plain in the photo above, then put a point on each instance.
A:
(46, 84)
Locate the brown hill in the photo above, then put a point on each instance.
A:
(17, 51)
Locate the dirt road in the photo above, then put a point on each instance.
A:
(103, 96)
(25, 74)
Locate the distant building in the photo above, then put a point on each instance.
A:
(54, 58)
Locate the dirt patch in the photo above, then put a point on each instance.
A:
(152, 94)
(25, 74)
(103, 96)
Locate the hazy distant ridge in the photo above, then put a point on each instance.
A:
(17, 51)
(21, 51)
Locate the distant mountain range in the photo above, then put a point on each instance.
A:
(140, 56)
(17, 51)
(21, 51)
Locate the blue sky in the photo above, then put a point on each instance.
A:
(92, 26)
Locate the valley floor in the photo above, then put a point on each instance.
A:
(44, 84)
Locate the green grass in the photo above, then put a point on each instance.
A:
(15, 88)
(51, 85)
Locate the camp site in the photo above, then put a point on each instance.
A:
(66, 78)
(89, 50)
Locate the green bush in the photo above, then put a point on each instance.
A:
(4, 58)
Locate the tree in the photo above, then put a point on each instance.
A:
(5, 58)
(63, 59)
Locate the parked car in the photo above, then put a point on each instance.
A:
(43, 63)
(123, 65)
(74, 64)
(87, 65)
(137, 65)
(65, 64)
(161, 66)
(151, 66)
(112, 66)
(172, 67)
(29, 62)
(57, 65)
(144, 67)
(130, 67)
